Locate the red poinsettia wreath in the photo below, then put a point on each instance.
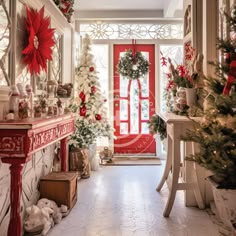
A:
(40, 40)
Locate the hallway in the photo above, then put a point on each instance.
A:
(122, 201)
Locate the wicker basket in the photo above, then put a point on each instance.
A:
(78, 161)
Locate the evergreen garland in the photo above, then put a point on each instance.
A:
(157, 125)
(133, 67)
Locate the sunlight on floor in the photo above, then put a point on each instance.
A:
(122, 201)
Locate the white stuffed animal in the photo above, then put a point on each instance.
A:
(38, 220)
(58, 212)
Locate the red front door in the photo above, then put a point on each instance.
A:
(134, 104)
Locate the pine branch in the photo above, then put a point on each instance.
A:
(225, 45)
(216, 85)
(231, 19)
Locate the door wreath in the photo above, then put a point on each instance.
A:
(133, 65)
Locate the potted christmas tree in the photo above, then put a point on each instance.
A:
(89, 106)
(216, 133)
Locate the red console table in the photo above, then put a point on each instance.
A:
(18, 141)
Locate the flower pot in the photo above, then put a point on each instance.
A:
(191, 96)
(181, 92)
(225, 204)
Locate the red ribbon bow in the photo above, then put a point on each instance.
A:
(230, 80)
(134, 49)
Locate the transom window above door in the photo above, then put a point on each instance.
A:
(158, 30)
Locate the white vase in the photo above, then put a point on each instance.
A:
(93, 159)
(191, 96)
(225, 201)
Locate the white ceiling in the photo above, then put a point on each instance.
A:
(122, 8)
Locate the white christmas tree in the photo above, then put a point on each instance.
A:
(89, 102)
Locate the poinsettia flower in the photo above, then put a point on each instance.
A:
(40, 40)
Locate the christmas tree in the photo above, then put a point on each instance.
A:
(216, 134)
(89, 103)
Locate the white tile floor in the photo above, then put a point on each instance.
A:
(122, 201)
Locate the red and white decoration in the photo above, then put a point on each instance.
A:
(40, 41)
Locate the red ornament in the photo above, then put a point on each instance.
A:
(82, 96)
(91, 69)
(98, 117)
(40, 40)
(82, 111)
(93, 89)
(105, 100)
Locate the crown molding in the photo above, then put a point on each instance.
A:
(118, 14)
